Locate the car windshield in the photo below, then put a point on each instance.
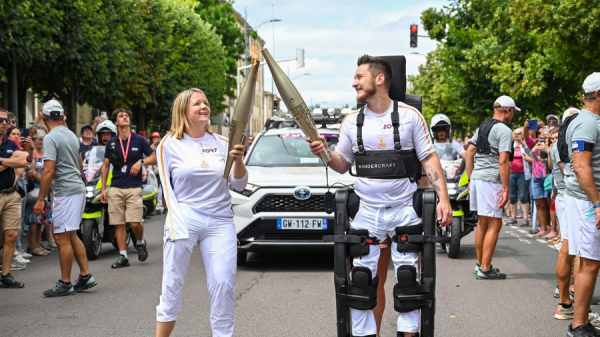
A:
(287, 150)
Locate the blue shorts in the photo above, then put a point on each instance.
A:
(537, 188)
(518, 188)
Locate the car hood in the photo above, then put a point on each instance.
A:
(294, 176)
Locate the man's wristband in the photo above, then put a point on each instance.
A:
(592, 210)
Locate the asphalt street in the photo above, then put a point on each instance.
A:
(284, 295)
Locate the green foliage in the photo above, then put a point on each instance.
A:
(536, 51)
(136, 54)
(221, 16)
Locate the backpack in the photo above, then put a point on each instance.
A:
(483, 144)
(561, 144)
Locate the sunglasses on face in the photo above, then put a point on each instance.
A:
(14, 121)
(4, 120)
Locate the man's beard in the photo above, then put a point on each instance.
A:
(367, 93)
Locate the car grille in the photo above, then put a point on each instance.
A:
(288, 203)
(293, 236)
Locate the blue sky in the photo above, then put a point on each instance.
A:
(334, 33)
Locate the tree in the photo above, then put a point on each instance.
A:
(530, 50)
(221, 15)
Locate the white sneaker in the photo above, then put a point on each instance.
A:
(25, 254)
(20, 259)
(17, 266)
(594, 319)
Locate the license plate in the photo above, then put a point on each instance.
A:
(314, 224)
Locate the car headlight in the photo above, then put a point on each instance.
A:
(452, 191)
(89, 189)
(451, 185)
(89, 194)
(248, 191)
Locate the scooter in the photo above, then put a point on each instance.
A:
(464, 220)
(95, 228)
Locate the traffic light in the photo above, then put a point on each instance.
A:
(276, 103)
(414, 30)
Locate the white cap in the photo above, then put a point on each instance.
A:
(591, 83)
(551, 116)
(569, 112)
(506, 102)
(53, 108)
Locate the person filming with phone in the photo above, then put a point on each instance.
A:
(540, 196)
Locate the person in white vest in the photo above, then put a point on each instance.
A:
(192, 158)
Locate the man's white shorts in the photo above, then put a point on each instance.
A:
(561, 215)
(485, 197)
(584, 237)
(67, 212)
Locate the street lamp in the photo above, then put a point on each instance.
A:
(415, 53)
(305, 74)
(272, 20)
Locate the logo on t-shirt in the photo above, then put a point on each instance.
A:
(134, 149)
(381, 144)
(389, 127)
(210, 150)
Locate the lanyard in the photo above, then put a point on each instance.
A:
(125, 153)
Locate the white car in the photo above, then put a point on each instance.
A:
(283, 207)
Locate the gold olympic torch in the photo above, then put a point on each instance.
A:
(294, 102)
(241, 115)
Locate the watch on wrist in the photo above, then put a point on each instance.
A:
(1, 159)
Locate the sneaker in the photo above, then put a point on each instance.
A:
(52, 244)
(60, 289)
(122, 261)
(586, 330)
(477, 266)
(563, 313)
(14, 266)
(511, 222)
(20, 259)
(594, 319)
(142, 251)
(84, 283)
(8, 281)
(25, 254)
(490, 274)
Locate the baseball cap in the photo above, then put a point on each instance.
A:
(551, 116)
(569, 112)
(53, 109)
(591, 83)
(155, 135)
(86, 127)
(506, 102)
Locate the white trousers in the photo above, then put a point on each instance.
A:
(159, 198)
(561, 215)
(381, 222)
(218, 245)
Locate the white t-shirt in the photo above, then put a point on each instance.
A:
(196, 166)
(378, 135)
(448, 150)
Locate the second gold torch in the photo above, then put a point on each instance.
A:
(294, 102)
(241, 115)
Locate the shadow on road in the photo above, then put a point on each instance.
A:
(289, 262)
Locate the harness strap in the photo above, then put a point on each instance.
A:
(405, 239)
(360, 119)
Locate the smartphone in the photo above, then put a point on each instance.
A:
(533, 124)
(24, 133)
(103, 114)
(546, 128)
(31, 124)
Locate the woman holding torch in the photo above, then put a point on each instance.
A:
(193, 158)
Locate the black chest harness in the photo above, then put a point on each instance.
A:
(387, 164)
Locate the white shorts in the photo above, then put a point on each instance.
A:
(485, 197)
(561, 215)
(584, 237)
(67, 213)
(382, 222)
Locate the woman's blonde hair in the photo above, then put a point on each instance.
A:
(180, 121)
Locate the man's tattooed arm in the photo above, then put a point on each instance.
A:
(433, 178)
